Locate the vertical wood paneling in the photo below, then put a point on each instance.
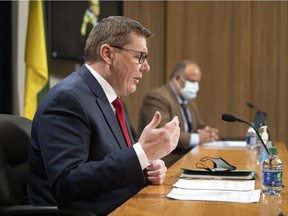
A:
(241, 48)
(152, 15)
(175, 34)
(282, 100)
(216, 35)
(270, 69)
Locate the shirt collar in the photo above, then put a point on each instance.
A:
(107, 88)
(179, 99)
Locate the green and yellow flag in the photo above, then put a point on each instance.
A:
(37, 76)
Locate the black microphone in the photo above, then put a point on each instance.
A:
(251, 105)
(231, 118)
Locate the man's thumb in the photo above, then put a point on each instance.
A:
(155, 120)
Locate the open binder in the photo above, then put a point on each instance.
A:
(206, 174)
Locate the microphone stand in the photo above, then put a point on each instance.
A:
(251, 105)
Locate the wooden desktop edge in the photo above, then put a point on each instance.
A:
(152, 193)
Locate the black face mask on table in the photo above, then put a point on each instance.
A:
(219, 164)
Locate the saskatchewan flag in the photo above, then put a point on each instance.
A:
(37, 77)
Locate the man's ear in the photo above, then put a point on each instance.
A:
(107, 53)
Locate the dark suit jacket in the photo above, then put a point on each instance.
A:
(78, 155)
(164, 100)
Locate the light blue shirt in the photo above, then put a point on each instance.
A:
(194, 138)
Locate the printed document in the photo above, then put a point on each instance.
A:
(215, 185)
(226, 144)
(215, 190)
(215, 195)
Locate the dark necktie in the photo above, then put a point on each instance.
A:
(187, 119)
(121, 119)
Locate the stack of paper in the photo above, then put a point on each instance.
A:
(214, 190)
(226, 144)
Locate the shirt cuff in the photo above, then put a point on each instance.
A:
(141, 155)
(194, 139)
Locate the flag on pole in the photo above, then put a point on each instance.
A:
(37, 77)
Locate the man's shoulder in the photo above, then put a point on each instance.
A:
(164, 89)
(162, 93)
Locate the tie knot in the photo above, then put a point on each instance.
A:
(184, 105)
(117, 103)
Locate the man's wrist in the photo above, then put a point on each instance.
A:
(142, 157)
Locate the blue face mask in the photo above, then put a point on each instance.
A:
(190, 90)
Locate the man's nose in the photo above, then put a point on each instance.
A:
(145, 67)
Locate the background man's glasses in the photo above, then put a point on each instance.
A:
(141, 59)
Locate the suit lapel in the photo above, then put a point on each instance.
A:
(104, 105)
(177, 109)
(111, 121)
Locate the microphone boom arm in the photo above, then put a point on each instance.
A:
(231, 118)
(239, 120)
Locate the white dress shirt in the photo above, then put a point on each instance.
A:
(111, 96)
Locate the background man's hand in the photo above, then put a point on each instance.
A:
(208, 134)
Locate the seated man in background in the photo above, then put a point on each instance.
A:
(175, 99)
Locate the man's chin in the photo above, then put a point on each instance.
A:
(132, 90)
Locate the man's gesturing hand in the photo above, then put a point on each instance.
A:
(159, 142)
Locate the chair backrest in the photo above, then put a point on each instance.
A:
(14, 144)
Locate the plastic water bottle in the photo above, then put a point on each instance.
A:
(272, 174)
(251, 138)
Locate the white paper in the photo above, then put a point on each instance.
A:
(215, 185)
(215, 195)
(226, 144)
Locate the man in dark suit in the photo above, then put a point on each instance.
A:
(79, 155)
(176, 98)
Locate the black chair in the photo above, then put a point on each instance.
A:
(14, 144)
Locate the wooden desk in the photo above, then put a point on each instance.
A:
(152, 200)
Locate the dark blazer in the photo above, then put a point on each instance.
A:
(164, 100)
(78, 155)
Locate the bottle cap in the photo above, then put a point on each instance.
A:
(272, 150)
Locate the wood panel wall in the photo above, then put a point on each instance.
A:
(152, 15)
(216, 35)
(241, 48)
(269, 65)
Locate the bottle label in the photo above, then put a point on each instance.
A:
(272, 178)
(248, 140)
(251, 140)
